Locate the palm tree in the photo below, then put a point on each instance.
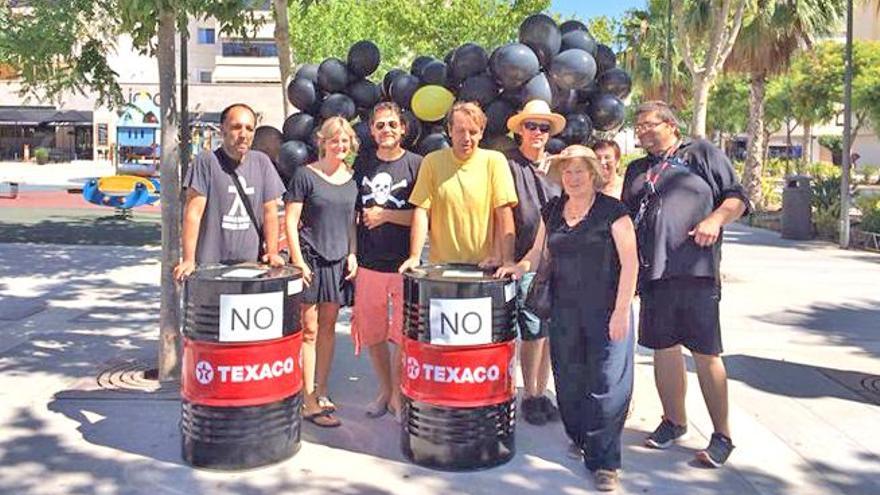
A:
(765, 47)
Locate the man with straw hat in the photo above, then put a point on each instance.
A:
(534, 124)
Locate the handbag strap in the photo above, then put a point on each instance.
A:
(226, 166)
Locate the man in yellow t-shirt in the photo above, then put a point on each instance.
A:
(467, 196)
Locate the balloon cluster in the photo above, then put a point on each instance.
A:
(561, 64)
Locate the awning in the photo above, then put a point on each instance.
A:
(71, 117)
(19, 115)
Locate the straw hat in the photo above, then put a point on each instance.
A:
(538, 110)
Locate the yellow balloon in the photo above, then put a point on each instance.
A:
(430, 103)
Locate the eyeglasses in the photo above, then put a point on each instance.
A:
(391, 123)
(532, 126)
(646, 126)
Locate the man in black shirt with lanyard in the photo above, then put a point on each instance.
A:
(681, 195)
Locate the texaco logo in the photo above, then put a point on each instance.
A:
(204, 372)
(412, 368)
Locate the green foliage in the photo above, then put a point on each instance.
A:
(729, 105)
(403, 29)
(832, 142)
(826, 206)
(870, 208)
(822, 170)
(775, 168)
(778, 102)
(869, 173)
(63, 45)
(604, 29)
(771, 194)
(41, 155)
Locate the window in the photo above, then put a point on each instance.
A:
(206, 36)
(205, 76)
(255, 48)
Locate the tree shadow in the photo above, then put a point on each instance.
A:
(852, 324)
(103, 230)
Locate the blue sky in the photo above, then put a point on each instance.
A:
(586, 9)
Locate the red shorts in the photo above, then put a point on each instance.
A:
(373, 321)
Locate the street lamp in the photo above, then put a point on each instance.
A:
(847, 128)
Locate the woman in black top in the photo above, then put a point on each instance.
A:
(593, 262)
(321, 235)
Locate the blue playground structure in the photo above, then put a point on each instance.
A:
(122, 192)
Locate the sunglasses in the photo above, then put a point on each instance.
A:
(391, 123)
(532, 126)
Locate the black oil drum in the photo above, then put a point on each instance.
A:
(241, 378)
(457, 379)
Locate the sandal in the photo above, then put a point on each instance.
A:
(324, 419)
(326, 404)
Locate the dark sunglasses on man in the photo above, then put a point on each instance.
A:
(381, 124)
(531, 126)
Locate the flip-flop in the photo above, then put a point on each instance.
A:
(324, 419)
(376, 410)
(326, 404)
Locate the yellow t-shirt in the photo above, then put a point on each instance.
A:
(461, 197)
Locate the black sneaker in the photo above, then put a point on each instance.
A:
(717, 452)
(665, 435)
(551, 413)
(532, 413)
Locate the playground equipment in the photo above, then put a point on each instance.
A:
(122, 192)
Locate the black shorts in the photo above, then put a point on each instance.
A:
(681, 311)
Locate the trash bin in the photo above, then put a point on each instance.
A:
(457, 377)
(241, 378)
(797, 213)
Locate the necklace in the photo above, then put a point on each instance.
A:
(572, 214)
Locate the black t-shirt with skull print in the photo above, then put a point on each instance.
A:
(388, 185)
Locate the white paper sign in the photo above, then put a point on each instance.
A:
(462, 274)
(251, 317)
(244, 273)
(461, 321)
(509, 291)
(294, 286)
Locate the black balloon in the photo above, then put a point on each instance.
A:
(501, 143)
(402, 89)
(294, 154)
(364, 93)
(579, 39)
(573, 25)
(332, 75)
(434, 72)
(607, 112)
(338, 104)
(432, 142)
(302, 93)
(578, 129)
(390, 76)
(538, 88)
(616, 82)
(554, 146)
(413, 129)
(586, 94)
(419, 63)
(497, 114)
(573, 69)
(542, 35)
(564, 100)
(605, 58)
(308, 71)
(298, 127)
(363, 58)
(513, 65)
(362, 131)
(468, 60)
(480, 88)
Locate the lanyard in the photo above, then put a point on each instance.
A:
(651, 177)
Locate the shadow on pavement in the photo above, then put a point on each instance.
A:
(105, 230)
(853, 324)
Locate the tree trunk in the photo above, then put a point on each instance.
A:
(282, 42)
(752, 172)
(788, 144)
(169, 312)
(702, 85)
(806, 147)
